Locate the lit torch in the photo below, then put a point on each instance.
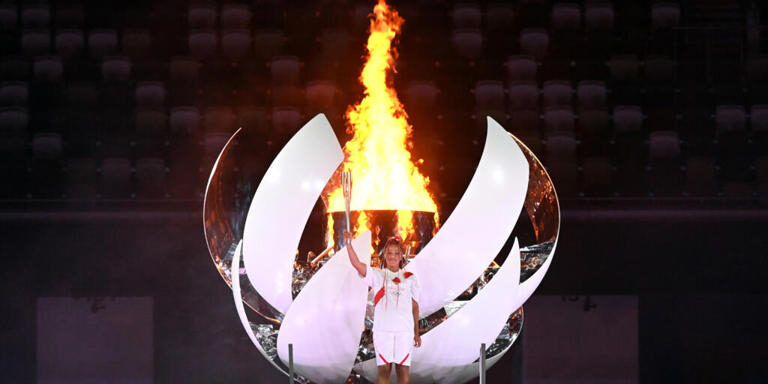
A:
(346, 186)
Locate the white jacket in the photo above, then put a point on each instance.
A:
(393, 311)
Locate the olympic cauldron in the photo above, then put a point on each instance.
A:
(510, 209)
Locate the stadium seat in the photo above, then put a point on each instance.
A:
(116, 69)
(235, 16)
(285, 70)
(557, 93)
(467, 16)
(520, 69)
(534, 42)
(598, 16)
(69, 42)
(202, 44)
(13, 121)
(591, 95)
(48, 69)
(14, 93)
(36, 16)
(523, 96)
(559, 119)
(489, 95)
(334, 42)
(47, 145)
(320, 95)
(467, 42)
(235, 43)
(286, 120)
(422, 94)
(566, 17)
(184, 121)
(665, 15)
(499, 16)
(219, 119)
(201, 15)
(102, 42)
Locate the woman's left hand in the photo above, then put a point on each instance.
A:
(417, 340)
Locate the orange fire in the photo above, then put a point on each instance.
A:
(383, 175)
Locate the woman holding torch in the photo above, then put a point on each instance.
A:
(396, 308)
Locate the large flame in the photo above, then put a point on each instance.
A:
(383, 175)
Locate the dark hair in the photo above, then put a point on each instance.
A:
(392, 240)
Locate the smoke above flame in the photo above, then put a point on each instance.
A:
(384, 176)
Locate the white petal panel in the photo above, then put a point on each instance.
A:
(479, 321)
(281, 206)
(479, 225)
(326, 320)
(241, 308)
(525, 290)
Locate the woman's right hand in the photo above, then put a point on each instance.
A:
(347, 237)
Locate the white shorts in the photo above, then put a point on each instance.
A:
(393, 347)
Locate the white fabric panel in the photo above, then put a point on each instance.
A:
(281, 206)
(479, 225)
(326, 320)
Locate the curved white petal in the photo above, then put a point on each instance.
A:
(525, 290)
(478, 321)
(479, 225)
(241, 308)
(326, 320)
(281, 206)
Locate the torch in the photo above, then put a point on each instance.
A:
(346, 186)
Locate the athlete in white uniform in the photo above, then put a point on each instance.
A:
(396, 309)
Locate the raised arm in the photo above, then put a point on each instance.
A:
(359, 266)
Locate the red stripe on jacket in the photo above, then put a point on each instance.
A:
(378, 296)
